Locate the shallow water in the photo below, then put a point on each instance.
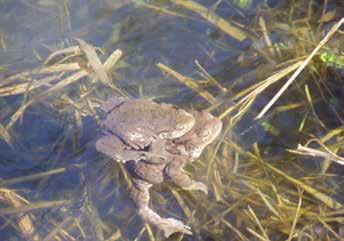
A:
(47, 139)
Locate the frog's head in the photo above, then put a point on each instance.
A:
(206, 129)
(183, 123)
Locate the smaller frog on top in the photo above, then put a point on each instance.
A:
(139, 122)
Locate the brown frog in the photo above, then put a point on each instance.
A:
(139, 122)
(163, 161)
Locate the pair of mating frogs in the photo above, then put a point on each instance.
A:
(155, 141)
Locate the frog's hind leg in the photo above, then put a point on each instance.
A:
(140, 194)
(113, 147)
(175, 171)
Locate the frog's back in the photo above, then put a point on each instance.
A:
(141, 113)
(112, 103)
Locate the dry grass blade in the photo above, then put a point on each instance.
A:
(217, 185)
(249, 94)
(181, 202)
(68, 51)
(161, 10)
(138, 237)
(262, 85)
(266, 37)
(210, 78)
(214, 19)
(234, 229)
(113, 58)
(4, 182)
(297, 215)
(69, 80)
(58, 228)
(25, 224)
(335, 132)
(5, 135)
(258, 88)
(301, 67)
(268, 204)
(289, 107)
(18, 114)
(307, 151)
(330, 229)
(32, 206)
(115, 236)
(327, 200)
(27, 87)
(97, 66)
(216, 149)
(257, 235)
(255, 218)
(64, 234)
(189, 83)
(44, 70)
(94, 61)
(149, 232)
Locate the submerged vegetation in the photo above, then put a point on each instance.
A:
(275, 173)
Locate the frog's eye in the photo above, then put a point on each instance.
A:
(204, 133)
(180, 126)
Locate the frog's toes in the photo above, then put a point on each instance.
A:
(137, 141)
(134, 144)
(170, 226)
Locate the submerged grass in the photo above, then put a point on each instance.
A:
(259, 190)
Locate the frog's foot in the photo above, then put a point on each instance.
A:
(167, 225)
(200, 186)
(170, 226)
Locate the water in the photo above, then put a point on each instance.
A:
(48, 138)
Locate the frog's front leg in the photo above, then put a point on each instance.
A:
(175, 171)
(157, 152)
(136, 137)
(113, 147)
(140, 195)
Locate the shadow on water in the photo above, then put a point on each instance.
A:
(77, 194)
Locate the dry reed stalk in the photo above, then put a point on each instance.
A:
(214, 19)
(192, 84)
(24, 221)
(301, 67)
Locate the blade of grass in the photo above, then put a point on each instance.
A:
(297, 215)
(328, 201)
(5, 135)
(264, 235)
(32, 206)
(214, 19)
(188, 82)
(301, 67)
(5, 182)
(60, 85)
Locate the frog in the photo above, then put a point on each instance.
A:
(138, 122)
(164, 160)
